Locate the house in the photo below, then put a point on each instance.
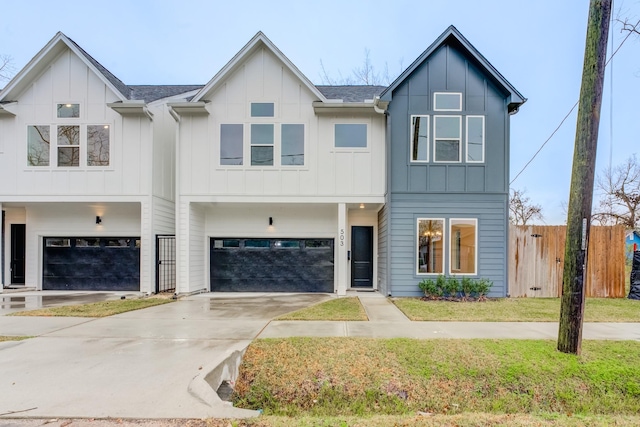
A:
(86, 174)
(632, 242)
(446, 208)
(263, 181)
(279, 181)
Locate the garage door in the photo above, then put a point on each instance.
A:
(271, 265)
(91, 264)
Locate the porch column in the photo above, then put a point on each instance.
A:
(342, 262)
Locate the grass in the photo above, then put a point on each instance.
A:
(96, 309)
(517, 310)
(460, 420)
(336, 309)
(350, 377)
(6, 338)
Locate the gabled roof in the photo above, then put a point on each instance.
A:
(38, 63)
(150, 93)
(258, 41)
(449, 35)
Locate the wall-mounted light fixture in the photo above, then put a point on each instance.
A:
(270, 221)
(361, 205)
(98, 219)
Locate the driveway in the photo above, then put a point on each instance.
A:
(150, 363)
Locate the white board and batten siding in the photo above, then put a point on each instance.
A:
(327, 171)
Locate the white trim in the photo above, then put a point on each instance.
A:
(475, 262)
(435, 94)
(417, 247)
(428, 121)
(436, 139)
(467, 138)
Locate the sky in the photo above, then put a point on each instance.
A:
(537, 45)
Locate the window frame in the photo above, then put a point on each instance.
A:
(48, 165)
(417, 246)
(271, 145)
(352, 148)
(57, 106)
(280, 145)
(467, 138)
(411, 139)
(242, 148)
(436, 139)
(435, 104)
(107, 126)
(251, 104)
(78, 146)
(475, 261)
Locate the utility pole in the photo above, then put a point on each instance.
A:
(582, 176)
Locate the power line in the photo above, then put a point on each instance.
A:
(568, 114)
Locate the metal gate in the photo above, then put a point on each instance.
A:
(165, 264)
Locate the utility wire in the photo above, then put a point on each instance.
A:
(568, 114)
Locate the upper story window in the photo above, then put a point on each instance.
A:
(447, 101)
(447, 137)
(66, 111)
(350, 135)
(71, 141)
(475, 139)
(419, 138)
(292, 147)
(262, 109)
(231, 144)
(261, 145)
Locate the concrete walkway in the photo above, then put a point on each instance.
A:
(166, 361)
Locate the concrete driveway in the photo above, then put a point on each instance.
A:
(153, 363)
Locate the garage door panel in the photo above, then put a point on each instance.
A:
(113, 264)
(282, 265)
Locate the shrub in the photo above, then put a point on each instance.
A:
(467, 286)
(430, 289)
(452, 286)
(483, 286)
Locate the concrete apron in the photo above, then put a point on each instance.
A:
(161, 362)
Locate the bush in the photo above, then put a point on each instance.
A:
(452, 287)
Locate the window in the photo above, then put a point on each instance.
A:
(98, 145)
(463, 235)
(475, 139)
(255, 243)
(68, 145)
(68, 111)
(447, 131)
(54, 242)
(286, 244)
(419, 138)
(292, 145)
(261, 145)
(262, 109)
(447, 101)
(38, 138)
(430, 246)
(350, 135)
(231, 144)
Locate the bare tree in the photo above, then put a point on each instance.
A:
(6, 68)
(521, 210)
(620, 195)
(365, 74)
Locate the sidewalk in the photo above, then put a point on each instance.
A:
(387, 321)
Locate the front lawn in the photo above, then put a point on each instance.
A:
(334, 377)
(95, 309)
(335, 309)
(517, 310)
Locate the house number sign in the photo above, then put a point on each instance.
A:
(342, 237)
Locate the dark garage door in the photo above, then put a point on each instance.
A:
(91, 263)
(271, 265)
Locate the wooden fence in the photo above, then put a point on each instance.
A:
(536, 261)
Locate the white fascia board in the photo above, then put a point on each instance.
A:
(188, 108)
(8, 109)
(245, 52)
(23, 200)
(131, 108)
(349, 107)
(42, 58)
(254, 198)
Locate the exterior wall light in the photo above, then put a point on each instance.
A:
(270, 221)
(98, 219)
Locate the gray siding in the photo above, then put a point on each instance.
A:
(448, 190)
(448, 71)
(383, 251)
(490, 211)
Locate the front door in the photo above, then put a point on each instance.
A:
(361, 257)
(17, 252)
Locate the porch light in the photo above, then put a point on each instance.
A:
(361, 205)
(98, 219)
(270, 221)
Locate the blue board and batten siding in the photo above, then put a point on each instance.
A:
(448, 190)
